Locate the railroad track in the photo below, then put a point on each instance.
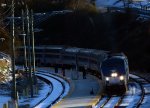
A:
(109, 102)
(133, 98)
(63, 81)
(142, 94)
(49, 92)
(58, 90)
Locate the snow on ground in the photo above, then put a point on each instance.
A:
(37, 98)
(119, 3)
(65, 83)
(146, 102)
(130, 99)
(133, 76)
(4, 100)
(134, 94)
(147, 88)
(33, 101)
(101, 102)
(26, 100)
(113, 101)
(57, 90)
(107, 3)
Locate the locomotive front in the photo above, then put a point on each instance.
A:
(114, 73)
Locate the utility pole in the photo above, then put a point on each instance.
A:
(33, 49)
(24, 42)
(29, 51)
(14, 93)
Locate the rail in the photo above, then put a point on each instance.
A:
(139, 79)
(60, 96)
(118, 100)
(49, 83)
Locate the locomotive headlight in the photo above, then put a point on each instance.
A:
(121, 78)
(107, 78)
(114, 74)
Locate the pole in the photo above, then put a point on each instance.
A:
(77, 66)
(14, 93)
(33, 48)
(24, 42)
(29, 51)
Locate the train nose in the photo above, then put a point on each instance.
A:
(115, 80)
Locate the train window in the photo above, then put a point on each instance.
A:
(94, 61)
(113, 62)
(52, 50)
(83, 58)
(39, 50)
(69, 57)
(38, 55)
(51, 56)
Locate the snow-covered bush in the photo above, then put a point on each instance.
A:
(5, 66)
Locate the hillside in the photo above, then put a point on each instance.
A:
(117, 32)
(85, 27)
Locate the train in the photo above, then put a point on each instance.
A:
(112, 69)
(115, 72)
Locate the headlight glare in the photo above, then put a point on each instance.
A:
(114, 74)
(107, 78)
(121, 78)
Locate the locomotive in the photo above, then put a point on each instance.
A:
(115, 72)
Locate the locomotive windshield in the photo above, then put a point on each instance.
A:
(113, 64)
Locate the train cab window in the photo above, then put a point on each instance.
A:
(39, 50)
(113, 63)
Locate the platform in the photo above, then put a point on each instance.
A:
(81, 95)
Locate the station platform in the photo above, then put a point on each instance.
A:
(83, 92)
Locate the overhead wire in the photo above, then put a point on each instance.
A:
(7, 13)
